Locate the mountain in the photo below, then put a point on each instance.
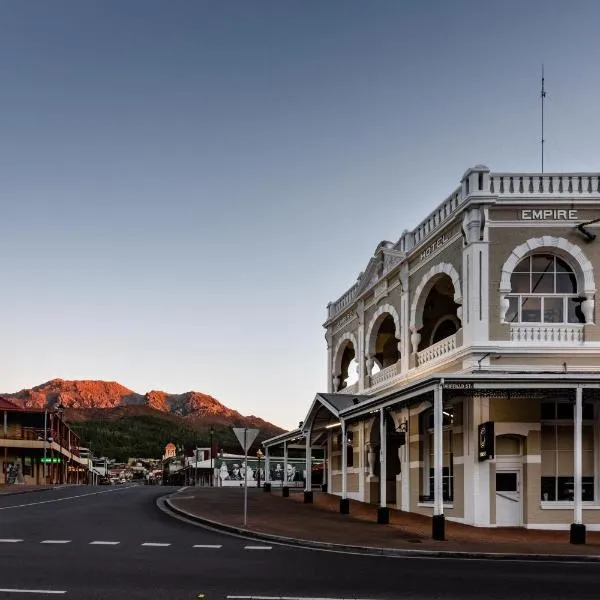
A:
(104, 412)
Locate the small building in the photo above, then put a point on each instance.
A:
(464, 362)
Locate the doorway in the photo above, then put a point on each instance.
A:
(509, 506)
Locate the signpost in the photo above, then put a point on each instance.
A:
(245, 437)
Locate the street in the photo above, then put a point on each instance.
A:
(91, 543)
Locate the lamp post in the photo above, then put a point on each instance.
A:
(212, 470)
(259, 455)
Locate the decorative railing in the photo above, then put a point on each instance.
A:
(553, 334)
(436, 350)
(547, 184)
(384, 375)
(438, 216)
(343, 302)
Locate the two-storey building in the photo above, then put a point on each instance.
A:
(37, 447)
(464, 363)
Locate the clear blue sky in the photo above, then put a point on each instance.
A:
(185, 185)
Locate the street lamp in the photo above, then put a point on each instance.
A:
(259, 455)
(212, 470)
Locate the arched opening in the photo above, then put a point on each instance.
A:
(440, 313)
(385, 351)
(348, 367)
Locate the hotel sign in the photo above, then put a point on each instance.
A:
(548, 214)
(485, 440)
(436, 245)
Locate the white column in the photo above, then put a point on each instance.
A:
(438, 500)
(285, 459)
(267, 466)
(330, 469)
(308, 462)
(360, 351)
(577, 467)
(328, 338)
(382, 459)
(404, 320)
(344, 460)
(405, 466)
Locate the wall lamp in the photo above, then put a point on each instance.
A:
(587, 234)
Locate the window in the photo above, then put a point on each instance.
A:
(557, 483)
(544, 290)
(447, 455)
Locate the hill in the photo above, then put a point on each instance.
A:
(120, 423)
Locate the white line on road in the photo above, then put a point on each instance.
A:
(56, 542)
(118, 489)
(18, 591)
(99, 543)
(284, 598)
(258, 547)
(208, 545)
(8, 541)
(155, 544)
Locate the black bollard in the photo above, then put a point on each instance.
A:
(285, 491)
(383, 515)
(438, 527)
(344, 506)
(577, 533)
(308, 497)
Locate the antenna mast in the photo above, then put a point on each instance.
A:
(543, 96)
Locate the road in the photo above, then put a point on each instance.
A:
(88, 543)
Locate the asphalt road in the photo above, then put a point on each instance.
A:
(113, 543)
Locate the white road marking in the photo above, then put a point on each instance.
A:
(56, 542)
(258, 547)
(155, 544)
(7, 541)
(208, 545)
(18, 591)
(99, 543)
(284, 598)
(118, 489)
(185, 497)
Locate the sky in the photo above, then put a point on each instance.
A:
(185, 185)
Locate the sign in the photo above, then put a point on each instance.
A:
(245, 436)
(459, 386)
(548, 214)
(49, 459)
(485, 440)
(436, 245)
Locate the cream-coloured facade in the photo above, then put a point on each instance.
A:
(479, 323)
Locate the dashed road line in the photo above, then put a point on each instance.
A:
(55, 542)
(212, 546)
(284, 598)
(21, 591)
(101, 543)
(155, 544)
(258, 547)
(9, 541)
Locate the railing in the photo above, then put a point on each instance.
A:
(384, 375)
(547, 184)
(18, 432)
(436, 350)
(343, 302)
(438, 216)
(557, 334)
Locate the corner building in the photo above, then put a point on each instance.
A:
(464, 363)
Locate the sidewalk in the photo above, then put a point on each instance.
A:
(272, 515)
(10, 490)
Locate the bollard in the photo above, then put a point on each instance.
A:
(285, 491)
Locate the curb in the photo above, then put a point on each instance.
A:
(29, 491)
(375, 551)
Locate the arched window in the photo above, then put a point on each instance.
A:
(544, 290)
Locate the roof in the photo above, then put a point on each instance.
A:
(6, 403)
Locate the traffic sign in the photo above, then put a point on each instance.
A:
(51, 460)
(245, 436)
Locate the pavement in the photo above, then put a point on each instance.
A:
(319, 525)
(111, 542)
(11, 490)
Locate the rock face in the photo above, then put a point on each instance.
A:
(198, 408)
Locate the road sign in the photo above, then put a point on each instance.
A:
(245, 436)
(50, 460)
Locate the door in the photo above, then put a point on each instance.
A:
(508, 498)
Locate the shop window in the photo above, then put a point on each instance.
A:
(447, 468)
(544, 290)
(557, 442)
